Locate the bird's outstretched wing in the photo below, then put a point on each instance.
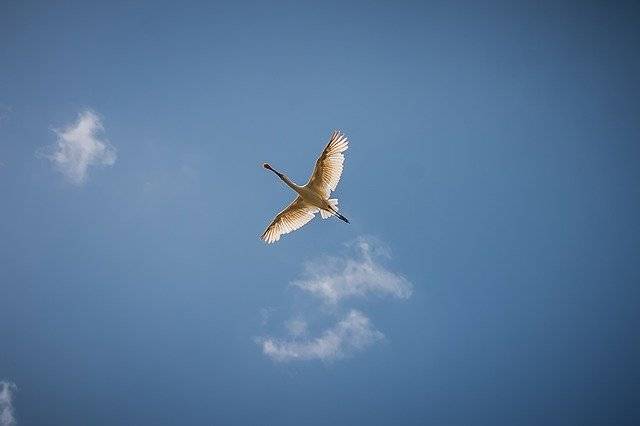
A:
(294, 216)
(328, 170)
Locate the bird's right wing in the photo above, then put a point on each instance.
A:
(328, 170)
(294, 216)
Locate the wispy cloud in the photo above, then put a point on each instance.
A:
(80, 146)
(353, 333)
(332, 281)
(7, 416)
(336, 278)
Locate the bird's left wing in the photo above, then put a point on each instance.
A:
(294, 216)
(328, 170)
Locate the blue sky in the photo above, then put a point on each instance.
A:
(491, 183)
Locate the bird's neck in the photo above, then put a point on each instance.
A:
(288, 181)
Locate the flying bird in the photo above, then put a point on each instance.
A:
(313, 197)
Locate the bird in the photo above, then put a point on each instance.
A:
(313, 197)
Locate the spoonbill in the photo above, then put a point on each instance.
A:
(314, 195)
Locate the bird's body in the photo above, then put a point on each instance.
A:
(313, 197)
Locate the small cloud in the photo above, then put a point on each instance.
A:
(335, 278)
(354, 333)
(7, 416)
(80, 146)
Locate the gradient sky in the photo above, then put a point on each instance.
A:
(493, 169)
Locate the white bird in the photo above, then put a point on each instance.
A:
(314, 195)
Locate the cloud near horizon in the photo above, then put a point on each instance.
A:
(7, 416)
(333, 279)
(352, 334)
(80, 146)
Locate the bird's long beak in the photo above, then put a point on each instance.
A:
(268, 167)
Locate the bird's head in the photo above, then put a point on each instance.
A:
(267, 166)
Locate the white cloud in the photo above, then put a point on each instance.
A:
(7, 417)
(333, 279)
(80, 146)
(354, 333)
